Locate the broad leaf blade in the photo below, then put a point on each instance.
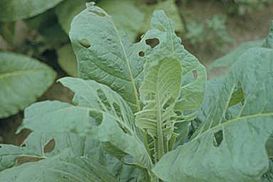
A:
(64, 167)
(20, 9)
(114, 117)
(22, 80)
(230, 150)
(99, 112)
(57, 117)
(105, 56)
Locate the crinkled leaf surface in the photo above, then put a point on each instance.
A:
(20, 9)
(230, 149)
(22, 80)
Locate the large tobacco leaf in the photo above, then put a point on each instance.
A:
(105, 56)
(99, 112)
(12, 10)
(22, 80)
(51, 149)
(225, 149)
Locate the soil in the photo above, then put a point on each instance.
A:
(242, 28)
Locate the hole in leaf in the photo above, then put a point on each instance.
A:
(141, 54)
(117, 109)
(25, 159)
(104, 100)
(195, 74)
(23, 145)
(85, 43)
(167, 104)
(218, 138)
(49, 146)
(96, 116)
(152, 42)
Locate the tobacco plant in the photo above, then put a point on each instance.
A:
(145, 112)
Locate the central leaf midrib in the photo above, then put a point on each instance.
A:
(129, 68)
(160, 139)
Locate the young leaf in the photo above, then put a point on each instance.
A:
(22, 80)
(230, 149)
(12, 10)
(169, 45)
(159, 93)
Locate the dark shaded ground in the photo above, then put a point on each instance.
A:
(242, 28)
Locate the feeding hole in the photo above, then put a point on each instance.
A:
(195, 74)
(104, 100)
(218, 138)
(49, 146)
(85, 43)
(141, 54)
(96, 116)
(152, 42)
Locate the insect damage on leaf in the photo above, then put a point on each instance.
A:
(133, 109)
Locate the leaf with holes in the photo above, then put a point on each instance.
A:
(22, 80)
(241, 139)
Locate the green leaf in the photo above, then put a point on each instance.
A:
(22, 80)
(114, 117)
(241, 140)
(12, 10)
(64, 167)
(159, 93)
(67, 60)
(105, 56)
(57, 116)
(99, 112)
(39, 146)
